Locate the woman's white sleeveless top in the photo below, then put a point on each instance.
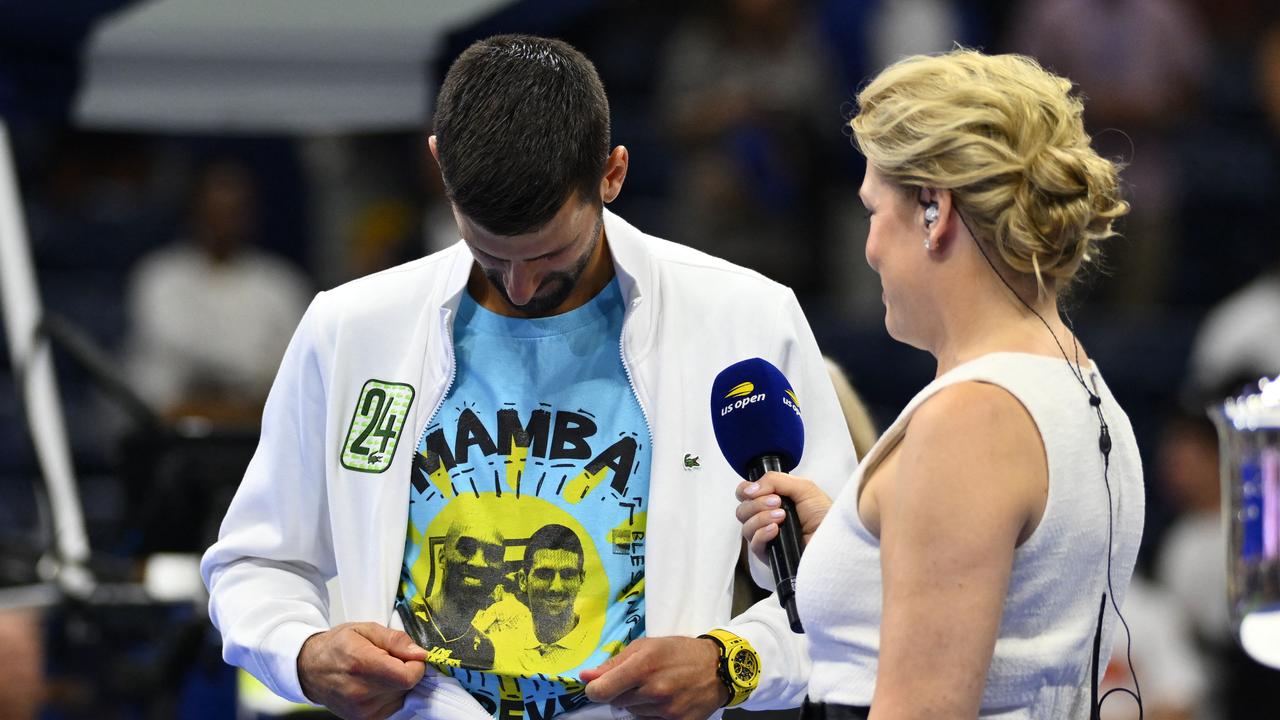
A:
(1040, 667)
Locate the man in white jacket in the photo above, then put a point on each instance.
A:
(551, 369)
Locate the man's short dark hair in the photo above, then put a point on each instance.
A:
(521, 122)
(552, 537)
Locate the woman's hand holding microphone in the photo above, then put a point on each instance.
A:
(759, 508)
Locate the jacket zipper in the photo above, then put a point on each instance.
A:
(622, 353)
(453, 375)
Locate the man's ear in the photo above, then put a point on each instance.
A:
(615, 173)
(435, 152)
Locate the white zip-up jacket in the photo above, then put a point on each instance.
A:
(300, 518)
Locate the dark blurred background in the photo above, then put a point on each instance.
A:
(188, 256)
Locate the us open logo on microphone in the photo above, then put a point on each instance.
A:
(746, 394)
(790, 400)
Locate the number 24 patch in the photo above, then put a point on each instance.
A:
(375, 426)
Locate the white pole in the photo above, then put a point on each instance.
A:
(33, 368)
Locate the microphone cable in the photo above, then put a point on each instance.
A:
(1104, 446)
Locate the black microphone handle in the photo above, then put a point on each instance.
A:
(784, 550)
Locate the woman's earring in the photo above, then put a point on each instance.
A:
(930, 217)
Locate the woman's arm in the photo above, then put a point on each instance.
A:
(970, 485)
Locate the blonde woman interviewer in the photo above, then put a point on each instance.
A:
(961, 573)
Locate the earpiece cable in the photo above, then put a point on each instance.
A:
(1104, 445)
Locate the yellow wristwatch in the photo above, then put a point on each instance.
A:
(739, 665)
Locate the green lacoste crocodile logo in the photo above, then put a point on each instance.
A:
(691, 462)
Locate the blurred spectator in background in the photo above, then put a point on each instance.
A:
(1140, 63)
(408, 217)
(1191, 560)
(1239, 339)
(377, 201)
(748, 92)
(1168, 665)
(383, 232)
(912, 27)
(211, 315)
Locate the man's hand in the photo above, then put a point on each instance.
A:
(669, 677)
(360, 671)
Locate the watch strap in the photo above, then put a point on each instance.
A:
(730, 644)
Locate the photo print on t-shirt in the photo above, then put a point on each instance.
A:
(523, 566)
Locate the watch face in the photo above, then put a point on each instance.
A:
(744, 666)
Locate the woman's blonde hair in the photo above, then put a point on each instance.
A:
(1007, 138)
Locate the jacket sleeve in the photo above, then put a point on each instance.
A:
(266, 573)
(829, 460)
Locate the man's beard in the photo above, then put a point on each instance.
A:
(555, 288)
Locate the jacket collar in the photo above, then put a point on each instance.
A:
(631, 261)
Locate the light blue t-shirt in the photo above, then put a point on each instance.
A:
(524, 555)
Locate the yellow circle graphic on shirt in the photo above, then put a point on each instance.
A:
(527, 574)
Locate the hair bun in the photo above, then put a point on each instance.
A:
(1007, 138)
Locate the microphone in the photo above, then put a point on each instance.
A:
(756, 418)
